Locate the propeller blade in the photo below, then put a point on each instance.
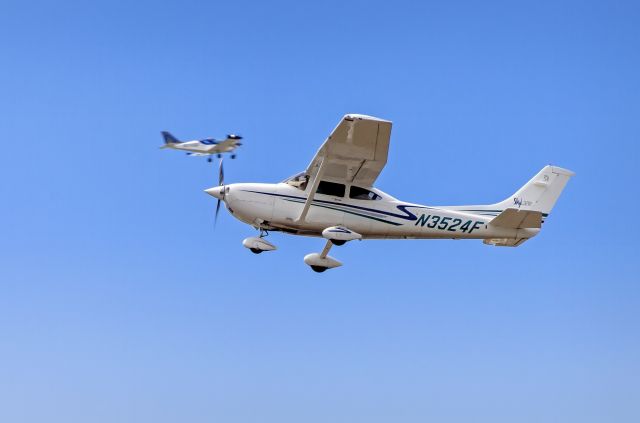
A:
(217, 211)
(222, 191)
(221, 174)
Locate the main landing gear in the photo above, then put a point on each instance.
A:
(320, 262)
(335, 235)
(258, 244)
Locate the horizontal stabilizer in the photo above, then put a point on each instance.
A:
(505, 242)
(518, 219)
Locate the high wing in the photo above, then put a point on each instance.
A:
(228, 144)
(355, 152)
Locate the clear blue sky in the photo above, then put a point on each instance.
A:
(119, 303)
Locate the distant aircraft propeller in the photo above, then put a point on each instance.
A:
(235, 137)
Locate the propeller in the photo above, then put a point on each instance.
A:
(235, 137)
(222, 191)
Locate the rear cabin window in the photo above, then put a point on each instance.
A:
(358, 193)
(331, 188)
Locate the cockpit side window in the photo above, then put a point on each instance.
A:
(358, 193)
(331, 188)
(299, 181)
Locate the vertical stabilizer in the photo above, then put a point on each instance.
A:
(541, 192)
(169, 139)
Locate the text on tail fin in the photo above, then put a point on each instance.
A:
(542, 191)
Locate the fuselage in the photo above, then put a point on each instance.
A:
(279, 206)
(204, 146)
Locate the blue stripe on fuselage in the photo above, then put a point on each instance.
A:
(324, 206)
(407, 216)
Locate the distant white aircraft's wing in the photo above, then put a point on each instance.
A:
(355, 152)
(226, 143)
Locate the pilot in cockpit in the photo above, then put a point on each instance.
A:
(299, 181)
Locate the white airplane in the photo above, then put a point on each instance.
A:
(204, 147)
(335, 199)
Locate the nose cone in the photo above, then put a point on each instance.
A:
(216, 192)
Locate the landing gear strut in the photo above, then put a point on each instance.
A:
(335, 235)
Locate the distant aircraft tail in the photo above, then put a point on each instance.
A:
(169, 139)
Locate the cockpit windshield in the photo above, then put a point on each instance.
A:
(358, 193)
(298, 180)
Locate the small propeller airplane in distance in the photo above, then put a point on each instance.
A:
(204, 147)
(335, 199)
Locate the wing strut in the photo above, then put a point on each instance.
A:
(312, 192)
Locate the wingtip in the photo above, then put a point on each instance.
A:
(352, 116)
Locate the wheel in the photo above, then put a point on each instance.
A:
(338, 242)
(319, 269)
(255, 250)
(209, 159)
(233, 156)
(219, 156)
